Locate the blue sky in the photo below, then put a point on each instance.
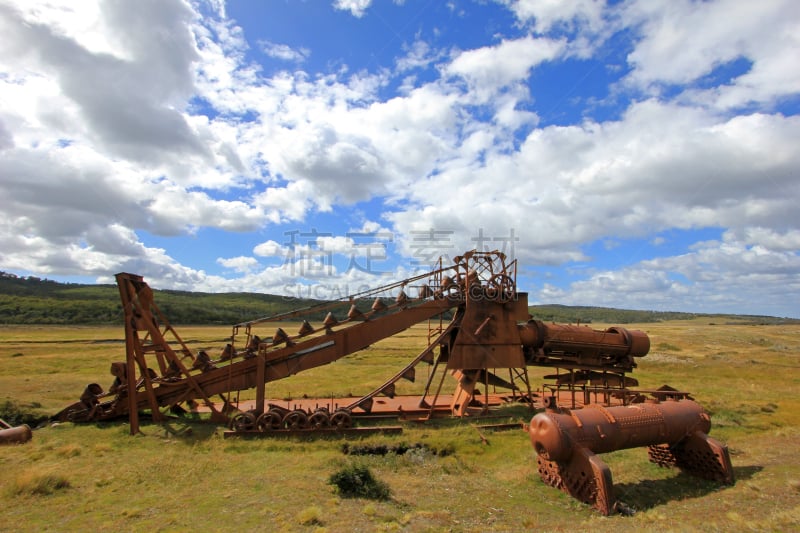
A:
(635, 154)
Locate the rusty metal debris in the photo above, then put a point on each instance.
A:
(479, 333)
(14, 434)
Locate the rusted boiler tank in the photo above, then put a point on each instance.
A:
(675, 432)
(565, 345)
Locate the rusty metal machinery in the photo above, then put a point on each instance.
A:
(478, 291)
(479, 332)
(675, 432)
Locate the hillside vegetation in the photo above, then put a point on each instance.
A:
(607, 315)
(33, 300)
(36, 301)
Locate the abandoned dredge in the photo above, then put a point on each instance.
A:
(479, 332)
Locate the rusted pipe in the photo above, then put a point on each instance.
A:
(16, 435)
(483, 325)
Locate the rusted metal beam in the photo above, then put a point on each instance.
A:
(314, 432)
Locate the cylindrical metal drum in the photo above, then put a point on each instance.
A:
(606, 429)
(16, 435)
(563, 338)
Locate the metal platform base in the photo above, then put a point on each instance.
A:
(314, 432)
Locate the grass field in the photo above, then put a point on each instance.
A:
(184, 476)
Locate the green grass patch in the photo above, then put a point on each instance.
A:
(16, 414)
(667, 347)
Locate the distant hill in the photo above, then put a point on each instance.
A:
(33, 300)
(608, 315)
(36, 301)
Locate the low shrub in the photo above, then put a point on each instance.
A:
(38, 483)
(357, 481)
(310, 516)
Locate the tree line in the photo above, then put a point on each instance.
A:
(32, 300)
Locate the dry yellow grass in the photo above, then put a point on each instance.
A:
(184, 477)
